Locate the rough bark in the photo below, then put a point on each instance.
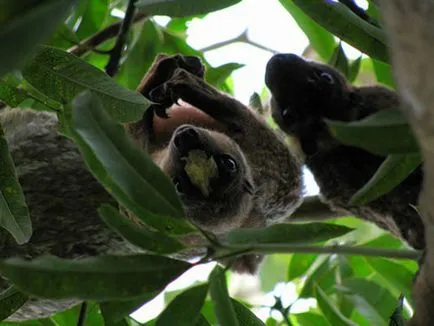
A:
(409, 26)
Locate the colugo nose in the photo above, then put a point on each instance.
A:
(187, 139)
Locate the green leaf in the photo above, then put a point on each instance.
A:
(11, 95)
(373, 301)
(138, 235)
(14, 214)
(273, 270)
(182, 8)
(395, 274)
(341, 21)
(25, 24)
(10, 301)
(339, 60)
(94, 15)
(125, 170)
(385, 132)
(61, 76)
(217, 76)
(321, 273)
(383, 72)
(299, 264)
(220, 297)
(395, 169)
(70, 317)
(185, 308)
(287, 233)
(63, 37)
(244, 315)
(201, 321)
(320, 39)
(96, 278)
(330, 311)
(310, 318)
(354, 69)
(114, 311)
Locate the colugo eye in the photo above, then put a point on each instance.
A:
(228, 163)
(326, 77)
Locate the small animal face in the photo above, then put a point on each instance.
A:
(303, 93)
(211, 176)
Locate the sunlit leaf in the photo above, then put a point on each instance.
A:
(310, 318)
(341, 21)
(354, 69)
(339, 60)
(299, 264)
(395, 169)
(184, 310)
(95, 278)
(94, 14)
(25, 24)
(244, 315)
(62, 76)
(217, 76)
(375, 303)
(220, 297)
(383, 72)
(182, 8)
(330, 311)
(320, 39)
(14, 213)
(385, 132)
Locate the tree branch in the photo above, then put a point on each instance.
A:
(233, 250)
(107, 33)
(243, 38)
(112, 66)
(313, 209)
(410, 30)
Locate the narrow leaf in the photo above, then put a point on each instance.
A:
(10, 301)
(182, 8)
(184, 310)
(339, 60)
(223, 307)
(61, 76)
(342, 22)
(244, 315)
(217, 76)
(330, 311)
(390, 174)
(11, 95)
(383, 133)
(138, 235)
(96, 278)
(14, 214)
(354, 69)
(25, 24)
(125, 170)
(288, 233)
(373, 301)
(320, 39)
(114, 311)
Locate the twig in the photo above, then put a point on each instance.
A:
(82, 314)
(115, 54)
(243, 38)
(241, 249)
(107, 33)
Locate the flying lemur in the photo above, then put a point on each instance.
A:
(259, 181)
(303, 94)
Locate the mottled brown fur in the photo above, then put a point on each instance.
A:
(63, 196)
(303, 94)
